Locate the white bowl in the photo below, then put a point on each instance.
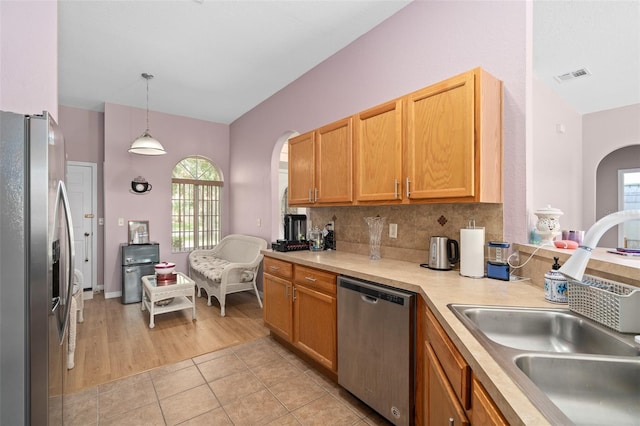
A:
(165, 267)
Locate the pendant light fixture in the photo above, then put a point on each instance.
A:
(146, 144)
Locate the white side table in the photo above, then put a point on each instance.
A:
(182, 291)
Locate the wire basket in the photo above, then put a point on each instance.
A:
(610, 303)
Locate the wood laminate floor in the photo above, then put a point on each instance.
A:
(115, 340)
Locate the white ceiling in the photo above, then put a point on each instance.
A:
(602, 36)
(216, 60)
(211, 59)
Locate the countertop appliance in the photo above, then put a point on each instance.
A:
(36, 270)
(295, 234)
(443, 252)
(376, 338)
(138, 260)
(295, 227)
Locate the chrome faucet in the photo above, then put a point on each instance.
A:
(574, 267)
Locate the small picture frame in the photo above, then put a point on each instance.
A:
(138, 232)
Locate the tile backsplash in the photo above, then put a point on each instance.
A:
(416, 224)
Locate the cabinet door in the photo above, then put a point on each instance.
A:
(442, 407)
(441, 139)
(277, 311)
(333, 154)
(378, 153)
(484, 410)
(301, 169)
(315, 330)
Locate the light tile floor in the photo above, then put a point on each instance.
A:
(256, 383)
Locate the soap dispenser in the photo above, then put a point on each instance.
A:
(555, 285)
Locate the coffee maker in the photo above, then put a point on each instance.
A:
(295, 227)
(295, 234)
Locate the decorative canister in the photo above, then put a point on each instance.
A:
(555, 285)
(316, 240)
(548, 225)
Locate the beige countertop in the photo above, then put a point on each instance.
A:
(438, 289)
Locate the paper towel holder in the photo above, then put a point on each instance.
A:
(472, 251)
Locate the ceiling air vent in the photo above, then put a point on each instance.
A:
(582, 72)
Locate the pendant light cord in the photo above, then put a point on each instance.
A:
(147, 77)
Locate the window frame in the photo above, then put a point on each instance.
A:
(187, 209)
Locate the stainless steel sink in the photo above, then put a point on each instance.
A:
(544, 330)
(572, 368)
(588, 390)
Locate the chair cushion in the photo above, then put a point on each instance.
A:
(211, 267)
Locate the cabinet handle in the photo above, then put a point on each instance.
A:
(310, 200)
(395, 188)
(407, 186)
(315, 195)
(451, 421)
(294, 294)
(274, 268)
(313, 280)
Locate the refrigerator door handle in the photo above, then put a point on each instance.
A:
(61, 197)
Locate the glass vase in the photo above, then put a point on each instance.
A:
(375, 235)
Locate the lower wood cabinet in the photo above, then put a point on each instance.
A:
(302, 309)
(484, 410)
(314, 318)
(277, 311)
(451, 394)
(442, 406)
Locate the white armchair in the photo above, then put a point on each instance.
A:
(229, 267)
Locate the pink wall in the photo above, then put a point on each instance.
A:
(181, 137)
(557, 157)
(29, 57)
(84, 141)
(426, 42)
(605, 132)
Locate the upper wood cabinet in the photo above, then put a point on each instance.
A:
(302, 162)
(442, 143)
(378, 153)
(320, 165)
(454, 140)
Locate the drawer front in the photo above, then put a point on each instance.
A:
(454, 365)
(278, 268)
(314, 278)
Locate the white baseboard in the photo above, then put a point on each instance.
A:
(112, 294)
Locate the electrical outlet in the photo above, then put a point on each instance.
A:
(514, 258)
(332, 225)
(259, 222)
(393, 230)
(120, 221)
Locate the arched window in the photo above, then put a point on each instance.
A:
(196, 188)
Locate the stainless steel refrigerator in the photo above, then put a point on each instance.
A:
(36, 270)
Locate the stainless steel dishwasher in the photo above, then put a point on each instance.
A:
(376, 337)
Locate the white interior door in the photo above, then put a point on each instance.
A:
(81, 187)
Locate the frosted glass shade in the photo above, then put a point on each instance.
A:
(146, 145)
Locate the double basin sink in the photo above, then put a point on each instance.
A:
(574, 370)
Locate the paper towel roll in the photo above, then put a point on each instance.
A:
(472, 252)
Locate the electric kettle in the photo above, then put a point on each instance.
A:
(443, 253)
